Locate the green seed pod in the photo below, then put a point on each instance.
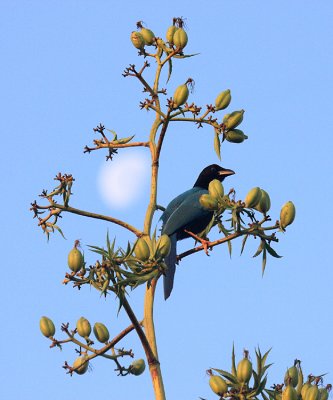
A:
(233, 119)
(180, 96)
(312, 393)
(222, 100)
(287, 214)
(215, 189)
(289, 393)
(141, 250)
(253, 197)
(323, 394)
(47, 327)
(235, 136)
(163, 246)
(137, 367)
(265, 202)
(244, 370)
(208, 202)
(101, 332)
(75, 259)
(305, 388)
(218, 385)
(180, 38)
(169, 34)
(137, 40)
(82, 364)
(83, 327)
(292, 374)
(148, 36)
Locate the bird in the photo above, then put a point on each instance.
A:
(185, 214)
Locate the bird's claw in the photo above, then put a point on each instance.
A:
(205, 243)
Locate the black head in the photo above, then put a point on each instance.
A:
(211, 172)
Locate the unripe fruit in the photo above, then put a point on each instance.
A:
(235, 136)
(208, 202)
(137, 40)
(223, 100)
(233, 119)
(83, 327)
(265, 202)
(180, 38)
(47, 327)
(163, 246)
(312, 393)
(305, 388)
(289, 393)
(244, 370)
(218, 385)
(75, 259)
(180, 96)
(170, 32)
(323, 394)
(81, 364)
(137, 367)
(291, 374)
(287, 214)
(148, 36)
(253, 197)
(101, 332)
(141, 250)
(215, 189)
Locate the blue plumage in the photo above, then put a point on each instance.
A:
(186, 213)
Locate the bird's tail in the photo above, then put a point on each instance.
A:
(170, 261)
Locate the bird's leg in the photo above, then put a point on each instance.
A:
(205, 243)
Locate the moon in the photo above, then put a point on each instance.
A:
(123, 181)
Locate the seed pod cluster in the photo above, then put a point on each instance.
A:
(233, 119)
(83, 327)
(47, 327)
(218, 385)
(163, 246)
(287, 214)
(75, 258)
(81, 365)
(223, 100)
(209, 202)
(101, 332)
(253, 197)
(141, 250)
(137, 367)
(180, 95)
(215, 189)
(235, 136)
(244, 370)
(137, 40)
(264, 203)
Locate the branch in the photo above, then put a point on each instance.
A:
(90, 215)
(110, 145)
(250, 231)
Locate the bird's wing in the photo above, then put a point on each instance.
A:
(174, 204)
(187, 211)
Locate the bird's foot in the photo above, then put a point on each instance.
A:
(205, 243)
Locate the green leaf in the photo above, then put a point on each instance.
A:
(259, 250)
(227, 375)
(59, 230)
(170, 69)
(244, 242)
(264, 259)
(264, 358)
(185, 55)
(271, 251)
(217, 145)
(233, 361)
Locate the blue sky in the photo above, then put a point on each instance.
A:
(61, 76)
